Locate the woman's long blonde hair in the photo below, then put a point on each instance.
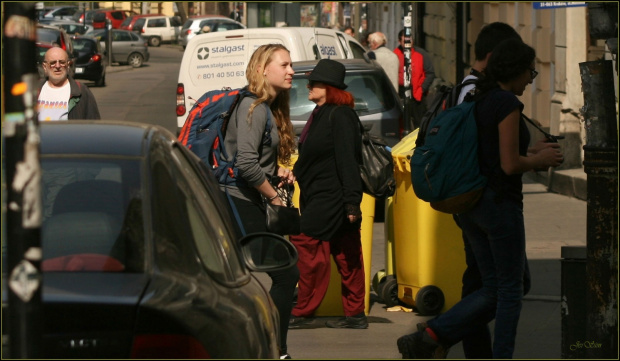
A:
(280, 108)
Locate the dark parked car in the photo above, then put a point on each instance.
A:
(140, 258)
(376, 101)
(90, 63)
(127, 46)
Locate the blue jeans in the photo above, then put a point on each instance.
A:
(495, 232)
(478, 344)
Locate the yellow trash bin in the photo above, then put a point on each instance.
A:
(428, 245)
(332, 302)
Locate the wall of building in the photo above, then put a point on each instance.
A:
(560, 39)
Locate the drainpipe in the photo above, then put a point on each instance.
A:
(601, 166)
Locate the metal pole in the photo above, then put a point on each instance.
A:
(601, 166)
(23, 177)
(407, 22)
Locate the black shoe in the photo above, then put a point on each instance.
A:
(420, 345)
(358, 321)
(285, 357)
(299, 322)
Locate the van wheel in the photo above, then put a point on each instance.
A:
(154, 41)
(135, 60)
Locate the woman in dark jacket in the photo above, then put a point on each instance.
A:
(328, 175)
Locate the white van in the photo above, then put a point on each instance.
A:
(217, 60)
(158, 29)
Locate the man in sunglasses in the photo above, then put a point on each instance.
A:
(60, 96)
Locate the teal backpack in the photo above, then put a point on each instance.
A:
(444, 165)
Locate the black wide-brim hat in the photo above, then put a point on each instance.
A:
(329, 72)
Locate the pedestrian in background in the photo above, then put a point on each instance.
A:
(349, 31)
(60, 96)
(478, 343)
(417, 80)
(269, 73)
(327, 172)
(428, 67)
(385, 57)
(494, 226)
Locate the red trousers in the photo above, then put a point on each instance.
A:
(315, 267)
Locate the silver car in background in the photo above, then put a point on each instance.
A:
(127, 47)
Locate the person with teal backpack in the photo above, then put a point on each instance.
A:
(494, 226)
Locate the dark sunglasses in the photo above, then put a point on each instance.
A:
(311, 84)
(533, 73)
(54, 62)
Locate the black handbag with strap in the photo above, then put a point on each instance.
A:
(283, 220)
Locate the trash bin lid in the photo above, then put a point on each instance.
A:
(406, 144)
(574, 252)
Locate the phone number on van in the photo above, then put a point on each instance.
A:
(222, 74)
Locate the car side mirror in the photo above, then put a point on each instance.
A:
(267, 252)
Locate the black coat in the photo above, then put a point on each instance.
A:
(328, 173)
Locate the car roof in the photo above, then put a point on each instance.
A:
(88, 37)
(50, 27)
(350, 64)
(197, 17)
(95, 137)
(145, 15)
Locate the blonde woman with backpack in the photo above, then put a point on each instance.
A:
(269, 74)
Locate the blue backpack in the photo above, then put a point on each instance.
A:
(204, 131)
(444, 166)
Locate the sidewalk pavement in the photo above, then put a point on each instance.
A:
(552, 220)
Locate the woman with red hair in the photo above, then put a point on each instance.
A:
(328, 175)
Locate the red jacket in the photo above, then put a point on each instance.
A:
(417, 72)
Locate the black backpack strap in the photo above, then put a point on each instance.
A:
(550, 137)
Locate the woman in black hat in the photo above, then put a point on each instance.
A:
(328, 175)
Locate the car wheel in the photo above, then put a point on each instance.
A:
(101, 81)
(154, 41)
(135, 60)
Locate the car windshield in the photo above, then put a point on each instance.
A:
(92, 215)
(48, 35)
(369, 89)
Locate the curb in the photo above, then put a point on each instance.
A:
(569, 182)
(118, 68)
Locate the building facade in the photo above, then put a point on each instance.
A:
(447, 30)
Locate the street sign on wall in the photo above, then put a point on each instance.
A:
(557, 4)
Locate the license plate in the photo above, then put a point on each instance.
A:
(79, 70)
